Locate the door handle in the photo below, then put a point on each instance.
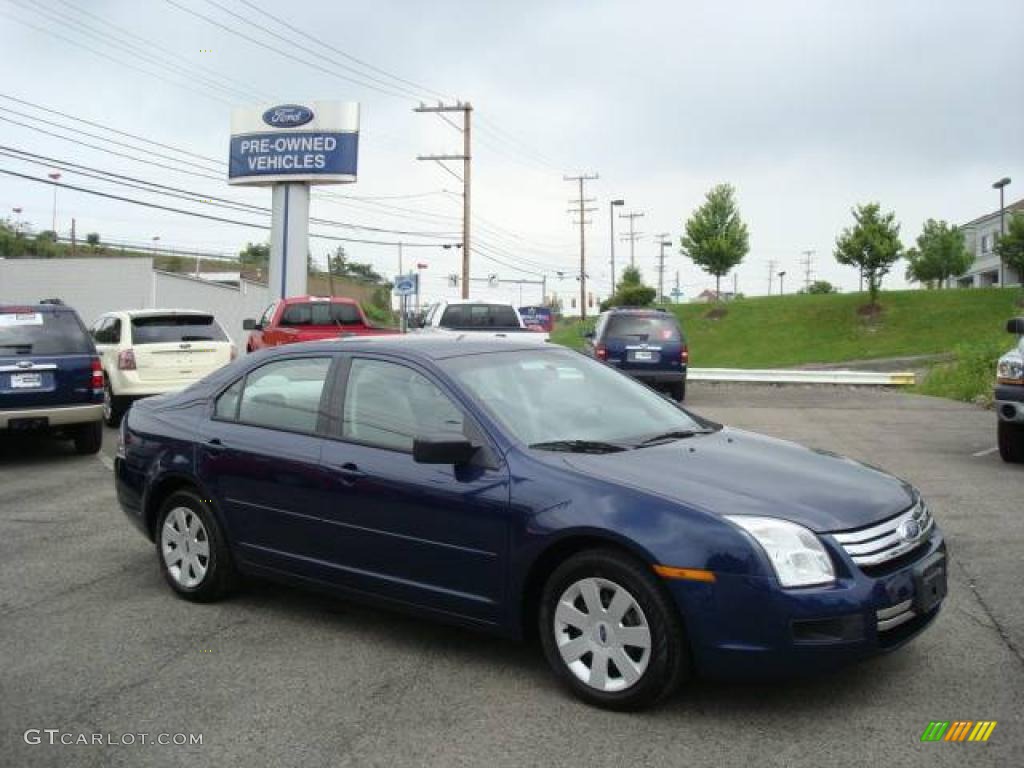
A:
(214, 445)
(349, 473)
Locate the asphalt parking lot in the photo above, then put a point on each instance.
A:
(93, 641)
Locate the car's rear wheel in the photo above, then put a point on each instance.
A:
(678, 391)
(113, 406)
(610, 632)
(1011, 442)
(193, 555)
(88, 437)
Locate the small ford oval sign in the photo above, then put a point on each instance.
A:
(288, 116)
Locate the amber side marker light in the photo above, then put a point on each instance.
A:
(686, 574)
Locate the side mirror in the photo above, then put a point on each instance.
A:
(250, 325)
(445, 448)
(1015, 325)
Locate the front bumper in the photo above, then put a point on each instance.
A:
(749, 627)
(1010, 403)
(56, 416)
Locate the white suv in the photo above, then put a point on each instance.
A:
(152, 351)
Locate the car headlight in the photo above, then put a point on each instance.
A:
(796, 554)
(1010, 372)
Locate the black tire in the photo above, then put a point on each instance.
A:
(113, 407)
(88, 438)
(668, 659)
(220, 576)
(678, 391)
(1011, 442)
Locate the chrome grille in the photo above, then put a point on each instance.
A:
(887, 540)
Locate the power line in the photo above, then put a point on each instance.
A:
(209, 217)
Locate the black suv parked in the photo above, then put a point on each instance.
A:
(50, 375)
(647, 344)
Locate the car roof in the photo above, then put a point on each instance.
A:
(428, 346)
(325, 299)
(35, 307)
(158, 312)
(452, 302)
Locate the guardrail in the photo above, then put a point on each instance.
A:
(866, 378)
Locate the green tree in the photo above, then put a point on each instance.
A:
(255, 256)
(93, 239)
(1010, 246)
(872, 244)
(820, 286)
(44, 245)
(12, 242)
(631, 291)
(716, 239)
(940, 254)
(336, 261)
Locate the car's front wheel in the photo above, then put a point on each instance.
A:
(610, 632)
(1011, 442)
(193, 555)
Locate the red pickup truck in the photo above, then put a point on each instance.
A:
(308, 318)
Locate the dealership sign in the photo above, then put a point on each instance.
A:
(315, 142)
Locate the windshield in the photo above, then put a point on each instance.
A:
(30, 332)
(468, 316)
(164, 329)
(643, 327)
(554, 395)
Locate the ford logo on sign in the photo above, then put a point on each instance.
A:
(287, 116)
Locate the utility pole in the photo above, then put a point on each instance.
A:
(581, 210)
(467, 110)
(632, 236)
(662, 242)
(74, 241)
(611, 224)
(782, 287)
(808, 263)
(771, 274)
(675, 293)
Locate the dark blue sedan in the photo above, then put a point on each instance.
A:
(530, 491)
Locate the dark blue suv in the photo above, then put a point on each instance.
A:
(50, 375)
(647, 344)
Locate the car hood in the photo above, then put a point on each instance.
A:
(733, 472)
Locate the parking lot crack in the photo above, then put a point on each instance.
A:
(996, 625)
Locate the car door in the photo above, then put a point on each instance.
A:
(431, 535)
(259, 456)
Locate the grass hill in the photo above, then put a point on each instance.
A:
(782, 331)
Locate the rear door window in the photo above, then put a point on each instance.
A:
(25, 331)
(479, 316)
(168, 329)
(285, 394)
(320, 313)
(643, 328)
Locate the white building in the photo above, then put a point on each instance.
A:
(980, 237)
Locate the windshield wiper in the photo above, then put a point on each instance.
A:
(676, 434)
(578, 446)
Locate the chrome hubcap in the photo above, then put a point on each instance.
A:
(602, 634)
(107, 403)
(185, 547)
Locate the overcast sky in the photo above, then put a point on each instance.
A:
(807, 108)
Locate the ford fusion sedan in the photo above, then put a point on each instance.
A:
(531, 491)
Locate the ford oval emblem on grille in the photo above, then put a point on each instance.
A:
(25, 363)
(287, 116)
(909, 530)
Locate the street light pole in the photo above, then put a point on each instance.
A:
(1001, 185)
(611, 223)
(782, 290)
